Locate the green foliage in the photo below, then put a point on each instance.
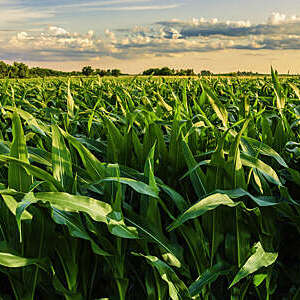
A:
(154, 188)
(165, 71)
(21, 70)
(87, 71)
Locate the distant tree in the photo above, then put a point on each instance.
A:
(115, 72)
(165, 71)
(101, 73)
(13, 71)
(74, 73)
(3, 69)
(151, 71)
(87, 71)
(189, 72)
(180, 72)
(22, 70)
(206, 73)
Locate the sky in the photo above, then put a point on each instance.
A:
(133, 35)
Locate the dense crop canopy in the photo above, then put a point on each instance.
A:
(150, 188)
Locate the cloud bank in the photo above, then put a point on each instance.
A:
(167, 38)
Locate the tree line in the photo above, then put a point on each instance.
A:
(88, 71)
(165, 71)
(21, 70)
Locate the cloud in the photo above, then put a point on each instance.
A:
(20, 15)
(138, 8)
(276, 24)
(95, 4)
(58, 44)
(89, 6)
(163, 39)
(17, 13)
(278, 18)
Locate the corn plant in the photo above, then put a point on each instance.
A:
(155, 188)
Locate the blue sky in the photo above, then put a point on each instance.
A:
(119, 13)
(134, 34)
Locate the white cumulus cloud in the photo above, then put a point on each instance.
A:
(167, 38)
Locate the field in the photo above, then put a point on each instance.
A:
(150, 188)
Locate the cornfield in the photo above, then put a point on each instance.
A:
(150, 188)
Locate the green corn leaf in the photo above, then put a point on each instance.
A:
(12, 205)
(37, 126)
(76, 228)
(115, 141)
(18, 178)
(10, 259)
(34, 171)
(97, 210)
(149, 232)
(262, 201)
(259, 259)
(90, 121)
(263, 149)
(177, 289)
(216, 104)
(234, 164)
(197, 176)
(207, 277)
(13, 261)
(179, 201)
(201, 207)
(61, 160)
(280, 98)
(152, 210)
(138, 186)
(93, 166)
(253, 162)
(70, 101)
